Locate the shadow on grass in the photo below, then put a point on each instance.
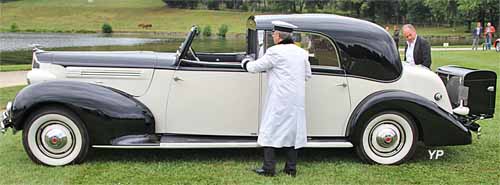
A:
(159, 155)
(254, 154)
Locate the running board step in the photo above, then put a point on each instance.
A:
(189, 141)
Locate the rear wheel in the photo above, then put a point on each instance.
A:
(389, 137)
(55, 137)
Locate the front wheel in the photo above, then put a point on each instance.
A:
(389, 137)
(55, 137)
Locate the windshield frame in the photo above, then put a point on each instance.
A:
(184, 47)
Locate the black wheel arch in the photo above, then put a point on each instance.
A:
(106, 112)
(432, 121)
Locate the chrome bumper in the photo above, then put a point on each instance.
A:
(4, 118)
(5, 121)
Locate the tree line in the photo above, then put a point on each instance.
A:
(422, 12)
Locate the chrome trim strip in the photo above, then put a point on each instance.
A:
(223, 145)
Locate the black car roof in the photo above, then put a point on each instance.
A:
(363, 46)
(316, 22)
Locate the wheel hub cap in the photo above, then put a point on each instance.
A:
(56, 139)
(386, 139)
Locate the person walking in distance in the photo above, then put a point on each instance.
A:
(476, 35)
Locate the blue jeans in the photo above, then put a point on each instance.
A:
(488, 42)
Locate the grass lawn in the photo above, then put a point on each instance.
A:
(477, 163)
(125, 15)
(19, 67)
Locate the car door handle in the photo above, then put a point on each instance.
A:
(491, 88)
(176, 78)
(342, 85)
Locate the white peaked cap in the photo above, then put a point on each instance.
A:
(283, 26)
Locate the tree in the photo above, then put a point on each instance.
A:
(442, 10)
(233, 4)
(417, 12)
(181, 4)
(213, 4)
(469, 9)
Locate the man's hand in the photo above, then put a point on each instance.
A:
(245, 61)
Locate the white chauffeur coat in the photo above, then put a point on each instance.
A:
(283, 121)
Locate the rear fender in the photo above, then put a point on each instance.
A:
(436, 126)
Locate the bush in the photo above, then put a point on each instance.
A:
(223, 30)
(106, 28)
(199, 31)
(207, 31)
(14, 27)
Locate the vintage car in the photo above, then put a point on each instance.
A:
(361, 95)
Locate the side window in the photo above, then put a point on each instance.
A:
(322, 52)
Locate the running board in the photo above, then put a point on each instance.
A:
(194, 142)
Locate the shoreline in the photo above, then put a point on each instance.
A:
(124, 33)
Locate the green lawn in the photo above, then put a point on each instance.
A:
(7, 94)
(125, 15)
(477, 163)
(18, 67)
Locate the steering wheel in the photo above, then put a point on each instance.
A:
(193, 53)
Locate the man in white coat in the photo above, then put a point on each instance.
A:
(283, 123)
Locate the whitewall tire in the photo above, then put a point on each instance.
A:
(388, 138)
(55, 137)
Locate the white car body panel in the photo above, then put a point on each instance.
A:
(415, 79)
(213, 103)
(156, 97)
(327, 104)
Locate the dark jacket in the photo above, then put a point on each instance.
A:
(421, 52)
(474, 32)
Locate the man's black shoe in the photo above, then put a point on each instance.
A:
(264, 172)
(292, 173)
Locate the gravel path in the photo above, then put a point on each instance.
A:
(13, 78)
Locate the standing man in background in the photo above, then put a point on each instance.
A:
(417, 50)
(488, 35)
(476, 35)
(283, 123)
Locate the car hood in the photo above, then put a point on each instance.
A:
(125, 59)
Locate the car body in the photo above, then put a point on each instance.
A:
(361, 95)
(496, 45)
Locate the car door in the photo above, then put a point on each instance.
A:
(327, 92)
(213, 101)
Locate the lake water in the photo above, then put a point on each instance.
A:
(15, 48)
(18, 41)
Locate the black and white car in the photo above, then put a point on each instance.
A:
(361, 95)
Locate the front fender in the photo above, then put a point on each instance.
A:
(107, 113)
(436, 126)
